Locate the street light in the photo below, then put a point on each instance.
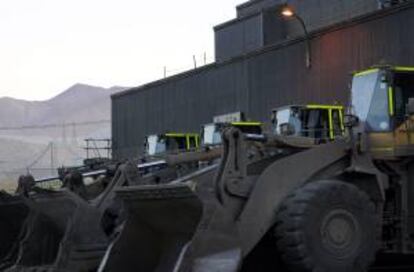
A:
(288, 12)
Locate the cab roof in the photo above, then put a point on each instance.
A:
(176, 134)
(310, 106)
(384, 67)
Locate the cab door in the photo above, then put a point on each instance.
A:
(336, 123)
(399, 93)
(193, 141)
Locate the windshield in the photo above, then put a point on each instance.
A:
(175, 143)
(315, 123)
(287, 116)
(155, 145)
(211, 135)
(362, 92)
(282, 117)
(370, 101)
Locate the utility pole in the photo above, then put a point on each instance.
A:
(52, 159)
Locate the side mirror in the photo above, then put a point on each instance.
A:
(287, 129)
(410, 106)
(351, 120)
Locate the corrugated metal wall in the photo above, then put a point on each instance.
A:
(314, 11)
(260, 81)
(319, 13)
(259, 24)
(239, 37)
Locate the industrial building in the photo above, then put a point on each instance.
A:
(261, 64)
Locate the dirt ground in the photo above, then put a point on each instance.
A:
(8, 185)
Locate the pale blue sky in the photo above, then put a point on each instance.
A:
(48, 45)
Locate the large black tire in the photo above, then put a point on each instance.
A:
(327, 226)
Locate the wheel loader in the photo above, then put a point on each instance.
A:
(181, 149)
(64, 230)
(173, 142)
(169, 142)
(74, 233)
(322, 122)
(167, 215)
(290, 201)
(211, 133)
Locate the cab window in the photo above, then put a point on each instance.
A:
(211, 135)
(316, 123)
(403, 91)
(370, 101)
(155, 145)
(337, 123)
(176, 143)
(192, 141)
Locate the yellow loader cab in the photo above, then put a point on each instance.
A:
(211, 133)
(171, 142)
(323, 122)
(381, 100)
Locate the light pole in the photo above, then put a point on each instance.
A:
(288, 12)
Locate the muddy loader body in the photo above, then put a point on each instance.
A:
(69, 229)
(174, 222)
(316, 205)
(66, 229)
(223, 236)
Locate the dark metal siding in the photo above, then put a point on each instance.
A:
(239, 37)
(314, 11)
(260, 81)
(320, 13)
(245, 33)
(274, 27)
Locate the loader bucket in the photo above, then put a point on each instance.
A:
(161, 221)
(13, 215)
(63, 234)
(165, 225)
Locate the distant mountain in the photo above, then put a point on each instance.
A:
(21, 148)
(79, 103)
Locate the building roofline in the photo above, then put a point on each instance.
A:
(314, 34)
(236, 20)
(248, 4)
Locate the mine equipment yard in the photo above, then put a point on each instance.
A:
(293, 151)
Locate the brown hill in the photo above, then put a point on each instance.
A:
(28, 127)
(79, 103)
